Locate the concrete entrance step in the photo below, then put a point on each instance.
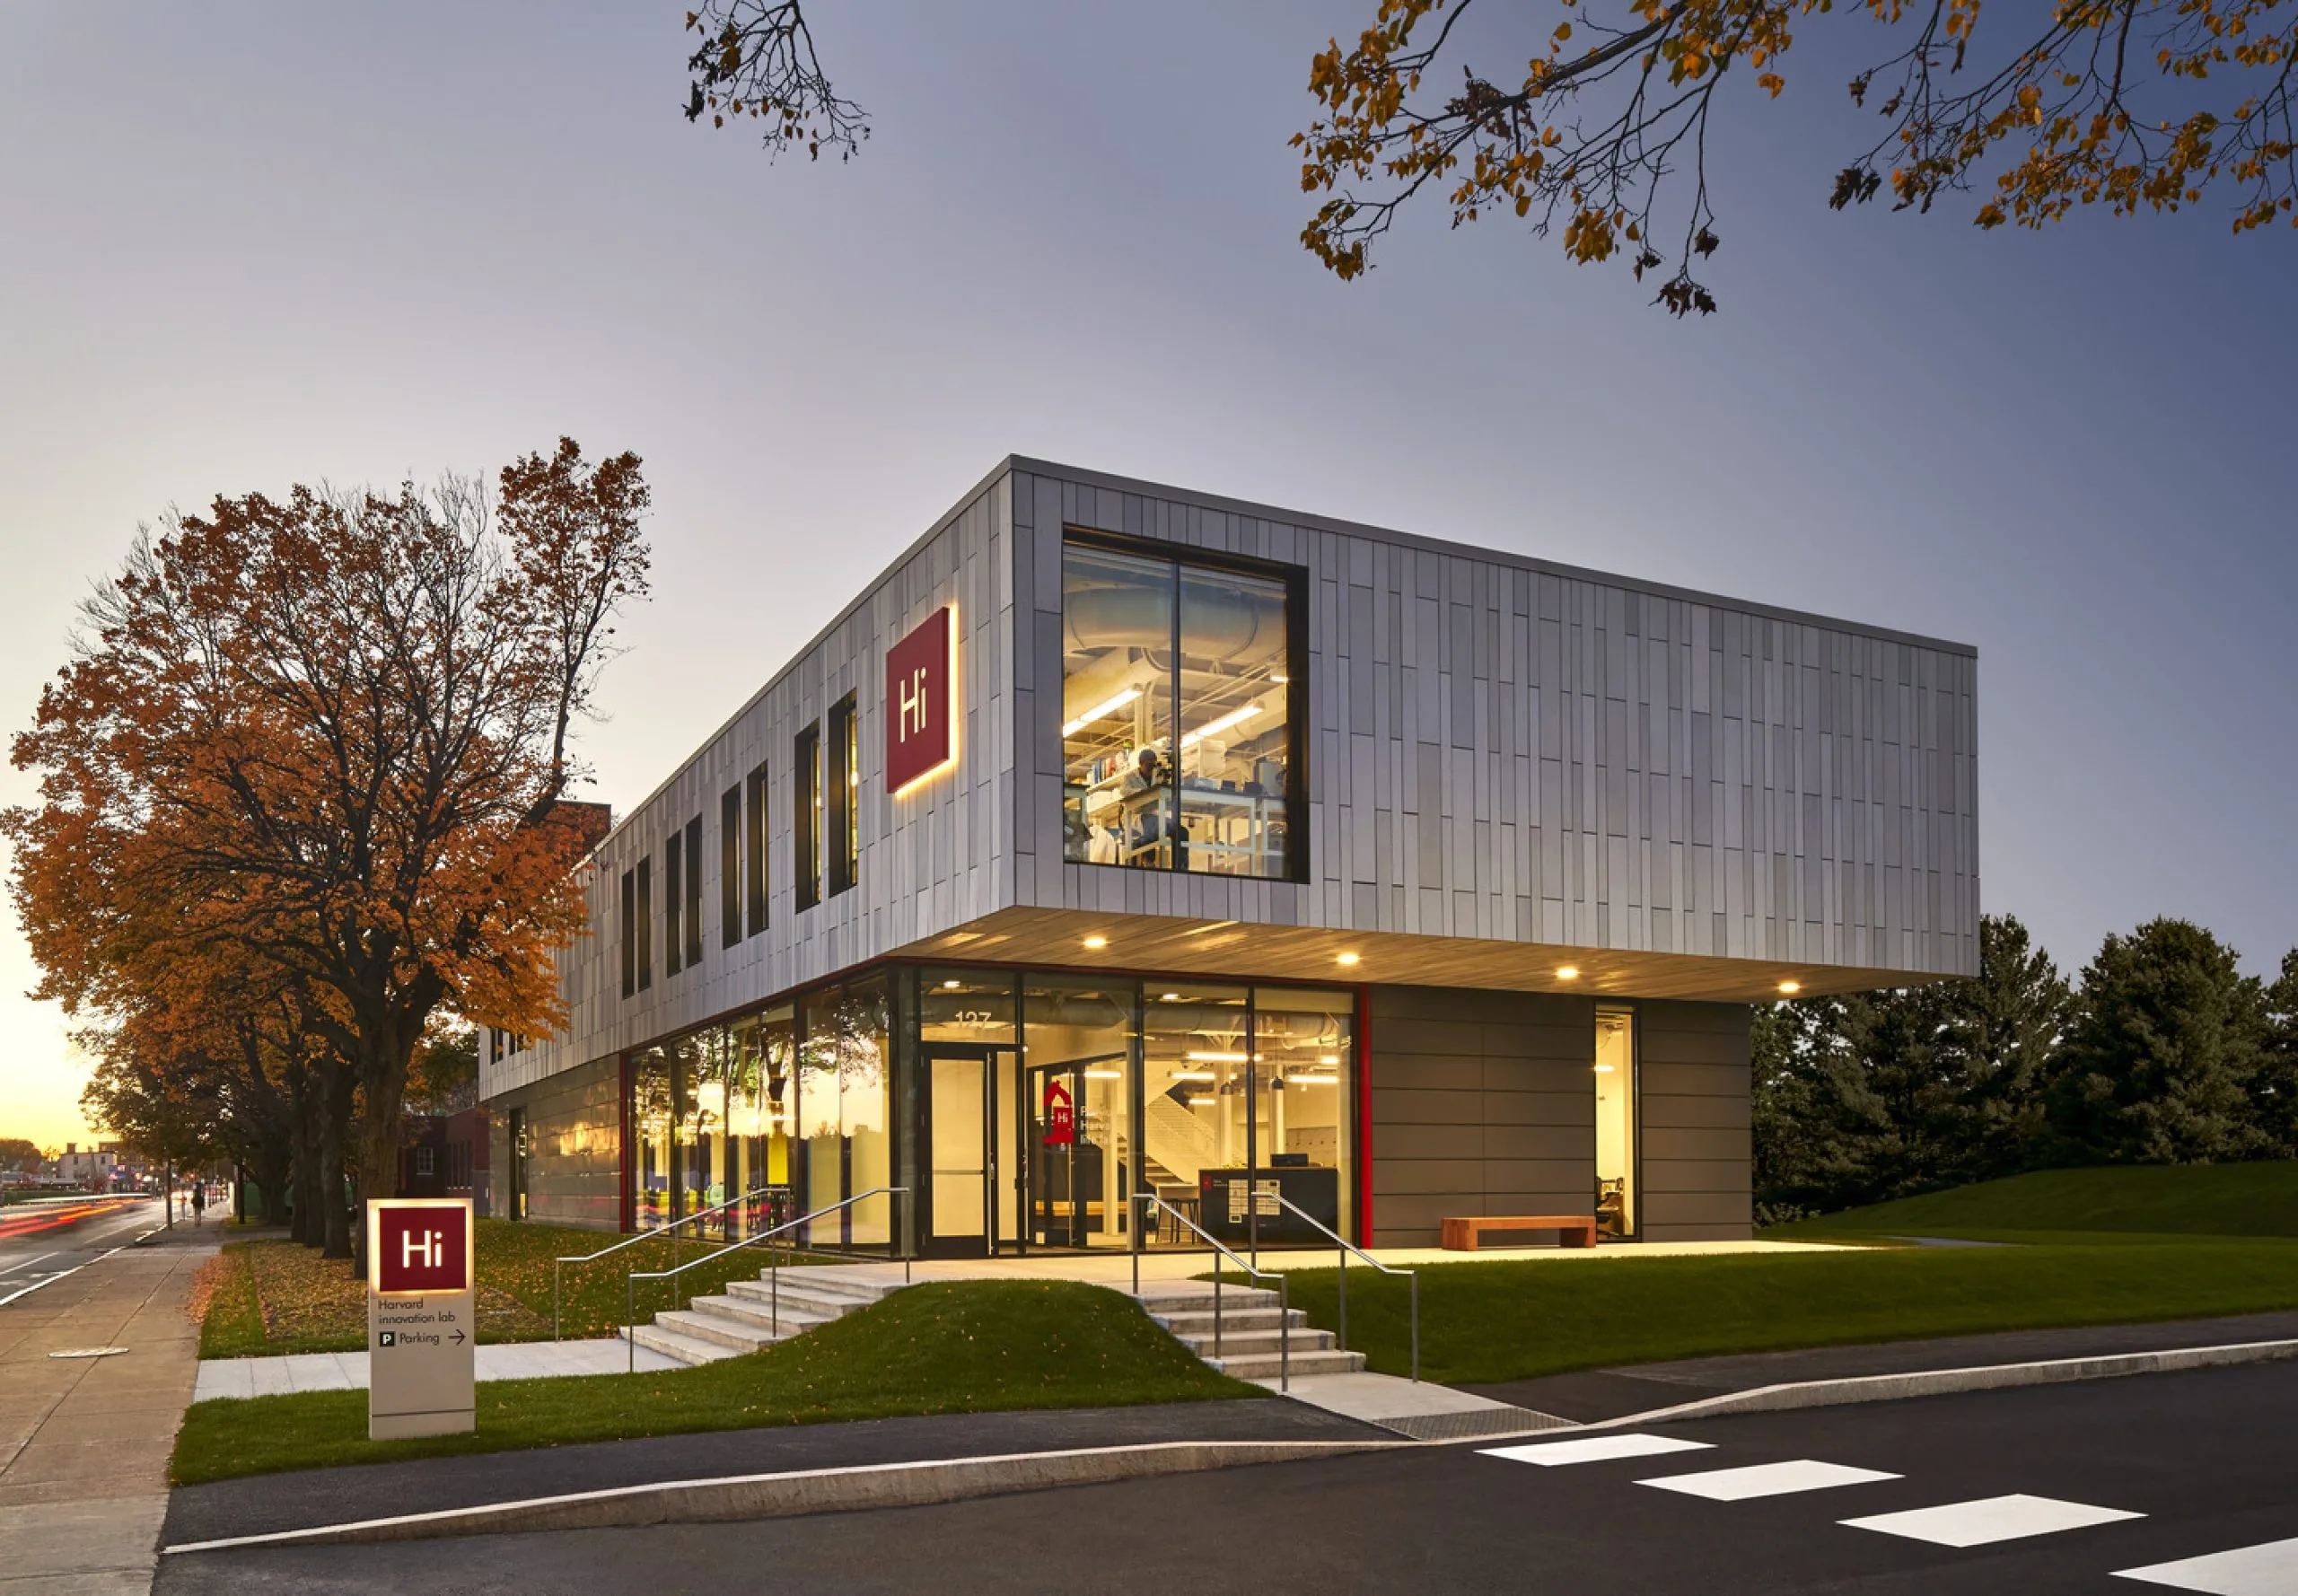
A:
(1232, 1321)
(676, 1344)
(1266, 1366)
(800, 1304)
(1235, 1343)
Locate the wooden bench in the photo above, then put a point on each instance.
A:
(1572, 1229)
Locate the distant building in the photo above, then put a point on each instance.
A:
(446, 1155)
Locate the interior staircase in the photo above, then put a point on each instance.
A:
(744, 1320)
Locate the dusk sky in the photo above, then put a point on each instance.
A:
(245, 245)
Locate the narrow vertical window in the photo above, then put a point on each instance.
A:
(644, 941)
(755, 790)
(673, 943)
(806, 816)
(694, 891)
(843, 833)
(629, 934)
(1617, 1197)
(730, 867)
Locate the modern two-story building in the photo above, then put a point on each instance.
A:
(1121, 838)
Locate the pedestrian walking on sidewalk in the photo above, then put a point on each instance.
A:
(199, 1200)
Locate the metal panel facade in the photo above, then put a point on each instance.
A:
(1497, 749)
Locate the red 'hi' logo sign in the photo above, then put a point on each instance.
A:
(421, 1248)
(918, 702)
(1060, 1116)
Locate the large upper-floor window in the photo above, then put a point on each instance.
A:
(754, 877)
(673, 904)
(1180, 694)
(693, 888)
(730, 868)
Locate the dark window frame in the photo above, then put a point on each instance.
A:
(842, 795)
(673, 903)
(758, 879)
(644, 941)
(730, 868)
(806, 817)
(694, 894)
(629, 934)
(1297, 740)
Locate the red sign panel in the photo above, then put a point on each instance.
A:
(1060, 1116)
(419, 1247)
(919, 671)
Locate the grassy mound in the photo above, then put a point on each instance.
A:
(963, 1346)
(2224, 1199)
(269, 1297)
(1497, 1320)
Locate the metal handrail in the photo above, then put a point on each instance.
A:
(1284, 1292)
(630, 1281)
(670, 1230)
(1347, 1247)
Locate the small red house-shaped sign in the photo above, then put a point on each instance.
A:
(919, 672)
(1060, 1116)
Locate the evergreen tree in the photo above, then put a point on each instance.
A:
(2165, 1047)
(2274, 1089)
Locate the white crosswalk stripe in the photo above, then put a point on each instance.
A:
(2267, 1570)
(1594, 1449)
(1990, 1519)
(1766, 1479)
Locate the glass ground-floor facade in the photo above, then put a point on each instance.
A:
(1015, 1111)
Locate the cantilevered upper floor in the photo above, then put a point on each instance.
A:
(1094, 722)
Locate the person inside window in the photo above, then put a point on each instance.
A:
(1144, 806)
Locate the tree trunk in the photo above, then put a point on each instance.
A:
(306, 1225)
(386, 1052)
(274, 1157)
(335, 1134)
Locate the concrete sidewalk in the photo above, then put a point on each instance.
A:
(347, 1371)
(85, 1441)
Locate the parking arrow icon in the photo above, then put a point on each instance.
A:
(460, 1338)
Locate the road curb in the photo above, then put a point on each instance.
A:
(806, 1491)
(1941, 1382)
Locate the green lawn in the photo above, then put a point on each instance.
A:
(269, 1297)
(2224, 1199)
(957, 1348)
(1512, 1320)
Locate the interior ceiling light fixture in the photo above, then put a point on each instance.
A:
(1603, 1069)
(950, 986)
(1202, 1102)
(1188, 1074)
(1221, 723)
(1330, 1058)
(1791, 987)
(1346, 959)
(1071, 728)
(1170, 997)
(1218, 1057)
(1097, 941)
(1105, 1074)
(1309, 1079)
(1567, 972)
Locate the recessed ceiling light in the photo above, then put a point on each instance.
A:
(1791, 987)
(1170, 997)
(1567, 972)
(950, 986)
(1097, 941)
(1346, 959)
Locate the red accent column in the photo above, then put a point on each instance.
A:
(1363, 1115)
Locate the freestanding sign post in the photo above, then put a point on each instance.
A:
(421, 1330)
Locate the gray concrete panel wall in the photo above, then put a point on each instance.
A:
(1482, 1103)
(1693, 1090)
(1509, 750)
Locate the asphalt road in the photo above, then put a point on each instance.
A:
(2207, 1458)
(42, 1242)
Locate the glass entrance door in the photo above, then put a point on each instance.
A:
(961, 1151)
(1065, 1167)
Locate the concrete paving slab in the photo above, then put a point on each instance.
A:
(221, 1378)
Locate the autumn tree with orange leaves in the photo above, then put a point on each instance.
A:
(331, 736)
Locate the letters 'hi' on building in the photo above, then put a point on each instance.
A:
(1121, 838)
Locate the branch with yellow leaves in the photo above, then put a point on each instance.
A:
(757, 59)
(1618, 104)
